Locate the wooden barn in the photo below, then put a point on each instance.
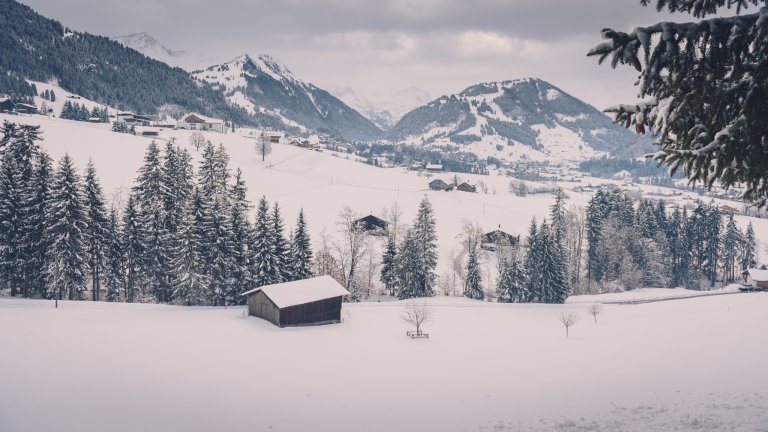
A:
(440, 185)
(466, 187)
(491, 240)
(758, 278)
(371, 224)
(6, 105)
(306, 302)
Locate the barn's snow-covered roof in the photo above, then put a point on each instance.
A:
(301, 292)
(758, 275)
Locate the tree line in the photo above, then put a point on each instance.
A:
(182, 236)
(76, 111)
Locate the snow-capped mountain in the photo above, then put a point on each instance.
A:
(525, 118)
(150, 47)
(383, 110)
(263, 85)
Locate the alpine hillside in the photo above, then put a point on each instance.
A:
(383, 110)
(97, 68)
(525, 118)
(261, 84)
(152, 48)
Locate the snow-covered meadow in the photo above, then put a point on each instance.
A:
(686, 365)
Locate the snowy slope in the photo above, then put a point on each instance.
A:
(688, 366)
(151, 47)
(261, 84)
(511, 120)
(322, 183)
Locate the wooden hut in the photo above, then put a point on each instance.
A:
(758, 278)
(466, 187)
(491, 240)
(371, 224)
(439, 185)
(306, 302)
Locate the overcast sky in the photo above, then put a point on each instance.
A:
(380, 47)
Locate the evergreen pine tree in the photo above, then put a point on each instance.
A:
(512, 285)
(97, 228)
(69, 221)
(188, 280)
(11, 223)
(749, 249)
(300, 264)
(425, 241)
(473, 283)
(38, 220)
(241, 235)
(730, 248)
(389, 265)
(263, 247)
(114, 269)
(280, 247)
(134, 247)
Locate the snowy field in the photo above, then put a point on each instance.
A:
(687, 365)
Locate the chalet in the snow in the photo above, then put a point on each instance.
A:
(491, 240)
(371, 224)
(200, 122)
(466, 187)
(306, 302)
(7, 105)
(434, 167)
(758, 278)
(440, 185)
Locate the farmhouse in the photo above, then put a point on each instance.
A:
(311, 301)
(200, 122)
(492, 240)
(371, 224)
(758, 278)
(466, 187)
(25, 108)
(6, 105)
(440, 185)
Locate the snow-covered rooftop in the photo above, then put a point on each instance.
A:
(300, 292)
(758, 275)
(206, 119)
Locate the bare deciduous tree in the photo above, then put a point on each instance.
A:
(350, 251)
(263, 146)
(197, 140)
(568, 319)
(595, 310)
(483, 186)
(417, 312)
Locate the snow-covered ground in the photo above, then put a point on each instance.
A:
(687, 365)
(650, 295)
(322, 183)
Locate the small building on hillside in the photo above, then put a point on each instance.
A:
(491, 240)
(434, 167)
(274, 137)
(758, 278)
(438, 184)
(306, 302)
(6, 105)
(200, 122)
(371, 224)
(466, 187)
(728, 209)
(25, 108)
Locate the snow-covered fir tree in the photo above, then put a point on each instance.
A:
(280, 247)
(300, 263)
(389, 265)
(96, 232)
(263, 248)
(473, 284)
(188, 280)
(134, 247)
(68, 265)
(732, 239)
(114, 268)
(512, 285)
(242, 231)
(38, 221)
(424, 236)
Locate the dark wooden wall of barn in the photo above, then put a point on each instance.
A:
(323, 311)
(259, 305)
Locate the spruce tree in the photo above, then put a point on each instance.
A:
(114, 269)
(38, 222)
(300, 263)
(241, 234)
(512, 285)
(730, 247)
(280, 247)
(134, 247)
(749, 249)
(263, 247)
(389, 265)
(473, 283)
(704, 91)
(425, 241)
(96, 232)
(68, 265)
(187, 278)
(11, 222)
